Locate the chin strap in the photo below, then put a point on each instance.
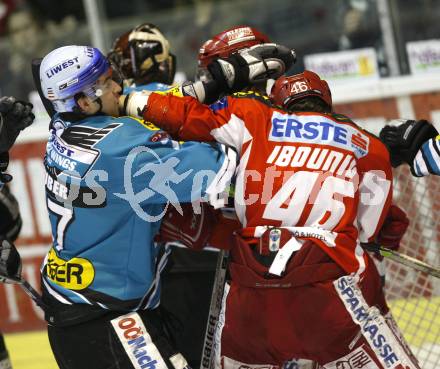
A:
(99, 101)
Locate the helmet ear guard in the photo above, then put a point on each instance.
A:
(289, 89)
(100, 88)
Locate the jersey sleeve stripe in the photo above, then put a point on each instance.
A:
(430, 158)
(434, 155)
(420, 165)
(234, 133)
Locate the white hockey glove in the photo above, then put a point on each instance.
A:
(15, 116)
(250, 66)
(134, 103)
(10, 262)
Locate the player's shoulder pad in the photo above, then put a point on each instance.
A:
(153, 86)
(161, 89)
(128, 119)
(174, 90)
(344, 119)
(156, 87)
(253, 95)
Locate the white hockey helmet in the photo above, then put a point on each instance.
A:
(70, 70)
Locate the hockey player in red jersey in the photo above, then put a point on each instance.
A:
(237, 38)
(311, 186)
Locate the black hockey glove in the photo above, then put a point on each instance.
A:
(15, 116)
(10, 262)
(251, 66)
(405, 140)
(4, 162)
(10, 218)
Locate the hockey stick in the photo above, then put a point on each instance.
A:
(403, 259)
(215, 306)
(30, 291)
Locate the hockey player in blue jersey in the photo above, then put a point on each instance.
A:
(143, 55)
(101, 279)
(416, 143)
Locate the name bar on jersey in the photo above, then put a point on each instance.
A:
(317, 129)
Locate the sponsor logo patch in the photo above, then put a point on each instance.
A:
(358, 359)
(74, 274)
(239, 35)
(372, 324)
(71, 150)
(61, 66)
(317, 129)
(138, 344)
(147, 125)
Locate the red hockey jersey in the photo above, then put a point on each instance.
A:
(319, 175)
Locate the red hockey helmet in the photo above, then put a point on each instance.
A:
(228, 42)
(143, 54)
(287, 90)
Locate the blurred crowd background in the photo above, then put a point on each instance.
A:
(30, 29)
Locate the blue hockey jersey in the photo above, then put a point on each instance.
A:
(108, 182)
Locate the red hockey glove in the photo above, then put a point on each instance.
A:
(191, 229)
(211, 227)
(393, 229)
